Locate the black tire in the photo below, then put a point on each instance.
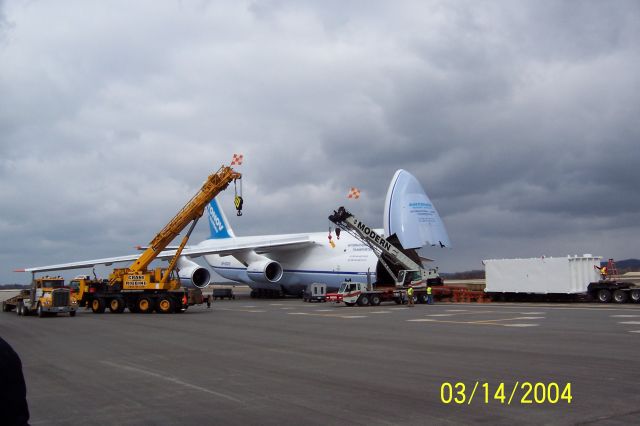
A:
(5, 307)
(145, 305)
(422, 298)
(635, 295)
(116, 305)
(40, 311)
(165, 305)
(19, 309)
(363, 300)
(98, 305)
(72, 313)
(375, 300)
(620, 296)
(604, 296)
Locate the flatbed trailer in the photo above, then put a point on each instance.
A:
(362, 294)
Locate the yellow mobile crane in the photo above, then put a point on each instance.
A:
(141, 289)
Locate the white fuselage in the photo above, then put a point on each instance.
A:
(317, 262)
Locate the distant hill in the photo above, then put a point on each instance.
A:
(476, 274)
(13, 286)
(627, 265)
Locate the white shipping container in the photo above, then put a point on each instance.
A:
(567, 275)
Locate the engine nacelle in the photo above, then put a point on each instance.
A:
(192, 274)
(265, 271)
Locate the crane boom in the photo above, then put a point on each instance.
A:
(380, 246)
(192, 211)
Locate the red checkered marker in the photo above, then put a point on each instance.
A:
(237, 159)
(354, 193)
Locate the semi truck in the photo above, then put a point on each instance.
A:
(47, 296)
(557, 278)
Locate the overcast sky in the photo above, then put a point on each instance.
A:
(521, 119)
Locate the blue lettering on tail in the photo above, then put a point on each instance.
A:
(217, 222)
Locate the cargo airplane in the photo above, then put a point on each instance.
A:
(286, 264)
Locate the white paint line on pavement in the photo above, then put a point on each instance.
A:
(276, 304)
(456, 310)
(520, 325)
(634, 331)
(324, 310)
(353, 316)
(532, 313)
(625, 316)
(164, 377)
(630, 322)
(380, 312)
(440, 315)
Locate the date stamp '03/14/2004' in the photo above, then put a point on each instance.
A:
(501, 393)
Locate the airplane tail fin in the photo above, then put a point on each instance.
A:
(218, 223)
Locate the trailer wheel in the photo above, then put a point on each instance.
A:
(165, 305)
(40, 311)
(97, 305)
(375, 300)
(145, 305)
(620, 296)
(604, 296)
(635, 295)
(19, 309)
(5, 307)
(363, 300)
(116, 306)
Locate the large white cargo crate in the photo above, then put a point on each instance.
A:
(568, 275)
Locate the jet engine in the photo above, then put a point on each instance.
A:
(265, 270)
(191, 273)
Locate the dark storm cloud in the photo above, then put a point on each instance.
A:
(519, 118)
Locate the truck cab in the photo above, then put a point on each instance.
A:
(47, 295)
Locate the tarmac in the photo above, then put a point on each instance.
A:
(274, 362)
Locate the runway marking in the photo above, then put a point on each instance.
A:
(630, 322)
(380, 312)
(276, 304)
(248, 306)
(456, 310)
(520, 325)
(625, 316)
(324, 310)
(241, 310)
(483, 322)
(327, 315)
(255, 311)
(169, 379)
(286, 308)
(634, 331)
(532, 313)
(462, 313)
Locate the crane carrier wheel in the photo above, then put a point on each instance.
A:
(116, 305)
(145, 305)
(165, 305)
(97, 305)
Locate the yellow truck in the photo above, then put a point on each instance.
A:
(47, 296)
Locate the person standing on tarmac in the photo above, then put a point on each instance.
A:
(410, 296)
(13, 391)
(429, 297)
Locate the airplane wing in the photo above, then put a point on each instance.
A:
(223, 248)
